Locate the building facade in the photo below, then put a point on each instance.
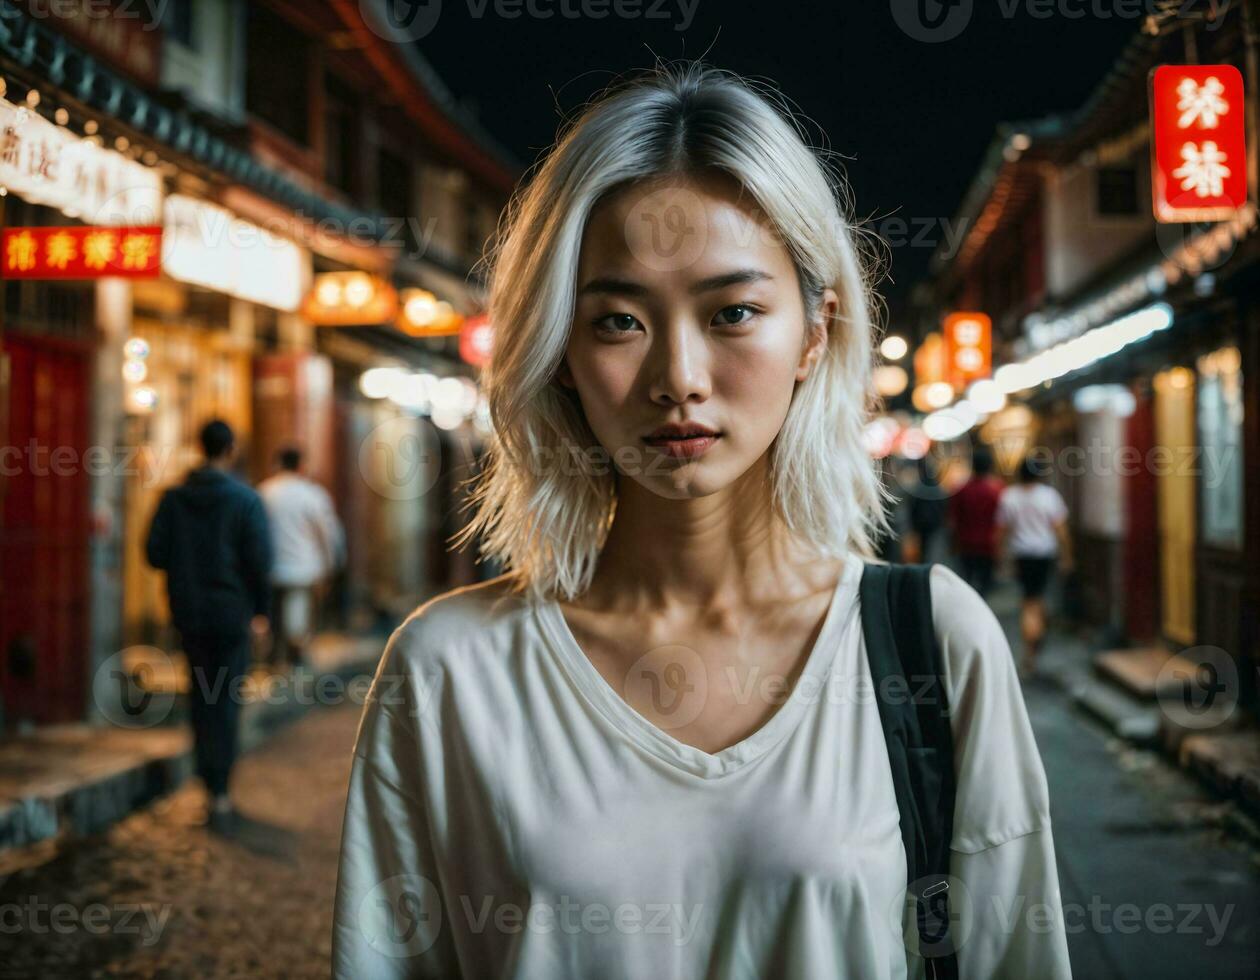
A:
(1129, 351)
(272, 143)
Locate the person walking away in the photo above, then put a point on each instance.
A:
(309, 545)
(210, 536)
(927, 511)
(1032, 523)
(973, 521)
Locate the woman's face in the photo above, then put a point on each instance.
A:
(689, 312)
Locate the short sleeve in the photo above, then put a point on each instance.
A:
(1059, 510)
(388, 913)
(1003, 849)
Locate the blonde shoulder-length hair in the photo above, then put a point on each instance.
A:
(538, 505)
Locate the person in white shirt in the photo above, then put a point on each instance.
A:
(651, 747)
(309, 545)
(1032, 527)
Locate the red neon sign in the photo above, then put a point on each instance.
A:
(81, 252)
(1198, 142)
(476, 340)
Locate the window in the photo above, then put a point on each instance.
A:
(1220, 418)
(394, 193)
(1117, 191)
(177, 23)
(277, 57)
(342, 139)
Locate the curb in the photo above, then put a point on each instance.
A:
(1226, 761)
(95, 800)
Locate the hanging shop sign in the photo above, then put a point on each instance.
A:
(209, 246)
(421, 314)
(350, 299)
(476, 339)
(968, 347)
(80, 252)
(1198, 142)
(46, 164)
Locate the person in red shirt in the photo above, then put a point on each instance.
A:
(972, 514)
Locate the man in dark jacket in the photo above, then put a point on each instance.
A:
(210, 535)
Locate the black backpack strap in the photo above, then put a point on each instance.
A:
(905, 664)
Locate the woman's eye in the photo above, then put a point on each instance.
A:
(616, 323)
(731, 316)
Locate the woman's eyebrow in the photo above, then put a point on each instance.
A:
(736, 278)
(610, 285)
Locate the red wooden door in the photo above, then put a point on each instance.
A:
(1141, 543)
(44, 530)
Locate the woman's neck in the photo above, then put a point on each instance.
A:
(714, 551)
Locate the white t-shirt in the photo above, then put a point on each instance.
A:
(1030, 511)
(511, 816)
(306, 537)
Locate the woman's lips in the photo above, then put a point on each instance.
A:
(688, 447)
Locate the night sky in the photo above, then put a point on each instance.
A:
(911, 118)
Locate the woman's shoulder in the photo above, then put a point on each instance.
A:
(1002, 791)
(484, 616)
(967, 630)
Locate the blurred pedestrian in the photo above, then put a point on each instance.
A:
(927, 510)
(1032, 523)
(973, 521)
(309, 546)
(210, 536)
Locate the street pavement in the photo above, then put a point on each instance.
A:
(1152, 887)
(158, 896)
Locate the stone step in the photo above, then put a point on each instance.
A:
(1131, 718)
(1146, 673)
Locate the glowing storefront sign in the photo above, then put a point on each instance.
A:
(209, 246)
(46, 164)
(80, 252)
(1198, 143)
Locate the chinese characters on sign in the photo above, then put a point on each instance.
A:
(81, 252)
(1198, 142)
(968, 345)
(45, 164)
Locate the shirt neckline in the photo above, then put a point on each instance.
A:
(631, 724)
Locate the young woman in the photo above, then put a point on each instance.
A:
(1032, 527)
(647, 750)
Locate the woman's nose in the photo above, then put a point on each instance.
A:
(680, 371)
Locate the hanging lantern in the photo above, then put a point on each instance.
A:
(346, 299)
(421, 314)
